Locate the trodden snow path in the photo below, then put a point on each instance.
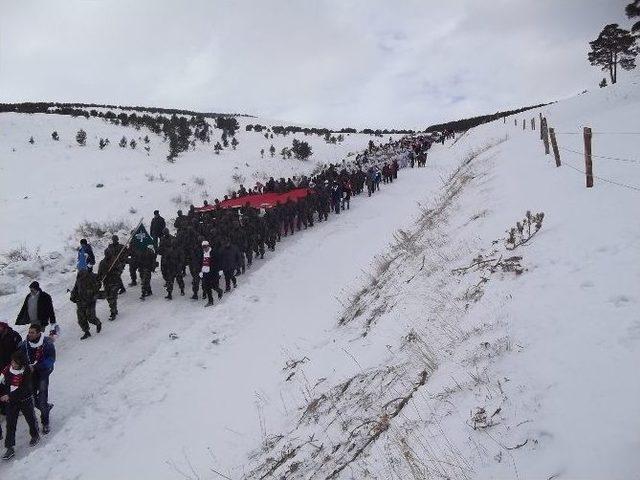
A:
(132, 403)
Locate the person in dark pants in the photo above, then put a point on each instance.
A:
(157, 227)
(37, 308)
(230, 257)
(17, 395)
(9, 342)
(41, 356)
(209, 274)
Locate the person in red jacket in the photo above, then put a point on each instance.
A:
(16, 394)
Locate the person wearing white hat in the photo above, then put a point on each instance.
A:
(209, 275)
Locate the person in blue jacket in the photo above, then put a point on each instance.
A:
(86, 259)
(41, 356)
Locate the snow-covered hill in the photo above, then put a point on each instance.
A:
(403, 339)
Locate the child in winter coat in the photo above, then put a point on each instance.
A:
(17, 395)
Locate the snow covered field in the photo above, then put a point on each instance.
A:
(363, 348)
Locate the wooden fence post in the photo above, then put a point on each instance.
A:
(504, 119)
(515, 122)
(554, 145)
(545, 136)
(541, 137)
(533, 123)
(588, 162)
(524, 123)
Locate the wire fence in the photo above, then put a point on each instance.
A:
(602, 179)
(628, 160)
(587, 133)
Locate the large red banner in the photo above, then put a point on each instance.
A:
(263, 200)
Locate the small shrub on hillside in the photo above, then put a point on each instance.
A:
(32, 141)
(217, 147)
(198, 181)
(54, 136)
(100, 229)
(524, 230)
(238, 178)
(81, 137)
(133, 144)
(234, 142)
(123, 142)
(18, 254)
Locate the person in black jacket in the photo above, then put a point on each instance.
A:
(157, 227)
(17, 395)
(9, 341)
(37, 308)
(229, 257)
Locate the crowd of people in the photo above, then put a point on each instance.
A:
(207, 242)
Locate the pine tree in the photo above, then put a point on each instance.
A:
(283, 152)
(55, 136)
(603, 83)
(272, 150)
(123, 142)
(234, 142)
(225, 141)
(146, 139)
(31, 140)
(302, 150)
(633, 10)
(81, 137)
(133, 144)
(614, 46)
(217, 147)
(102, 144)
(262, 153)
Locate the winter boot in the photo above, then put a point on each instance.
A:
(182, 292)
(34, 440)
(99, 327)
(194, 296)
(86, 335)
(168, 296)
(133, 283)
(208, 304)
(9, 453)
(46, 429)
(122, 290)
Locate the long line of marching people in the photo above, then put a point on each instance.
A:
(205, 244)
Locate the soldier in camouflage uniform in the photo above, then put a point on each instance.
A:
(114, 251)
(84, 296)
(195, 262)
(171, 264)
(134, 266)
(109, 271)
(147, 264)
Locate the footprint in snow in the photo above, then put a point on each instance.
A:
(620, 300)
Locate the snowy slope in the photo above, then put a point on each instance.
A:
(358, 350)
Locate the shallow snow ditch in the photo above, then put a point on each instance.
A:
(411, 312)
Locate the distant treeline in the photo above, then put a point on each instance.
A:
(43, 107)
(467, 123)
(281, 130)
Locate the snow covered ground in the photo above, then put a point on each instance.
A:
(380, 345)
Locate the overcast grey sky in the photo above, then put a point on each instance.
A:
(396, 63)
